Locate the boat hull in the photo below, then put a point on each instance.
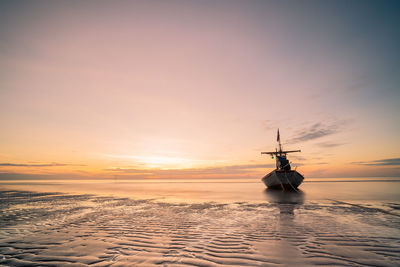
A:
(283, 179)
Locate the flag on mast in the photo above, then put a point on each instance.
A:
(278, 138)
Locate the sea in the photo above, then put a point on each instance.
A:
(199, 222)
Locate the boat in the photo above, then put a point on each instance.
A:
(283, 177)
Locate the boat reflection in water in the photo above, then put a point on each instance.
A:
(286, 201)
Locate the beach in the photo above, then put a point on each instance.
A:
(333, 222)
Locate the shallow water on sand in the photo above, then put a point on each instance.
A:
(338, 222)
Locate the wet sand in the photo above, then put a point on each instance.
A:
(279, 229)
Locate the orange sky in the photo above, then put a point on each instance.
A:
(197, 89)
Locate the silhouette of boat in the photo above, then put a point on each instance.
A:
(283, 177)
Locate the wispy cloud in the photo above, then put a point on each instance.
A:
(381, 162)
(297, 158)
(269, 125)
(318, 130)
(330, 145)
(312, 163)
(315, 131)
(231, 169)
(53, 164)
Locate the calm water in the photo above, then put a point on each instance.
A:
(222, 190)
(334, 222)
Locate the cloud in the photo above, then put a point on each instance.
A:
(31, 176)
(381, 162)
(330, 145)
(357, 84)
(53, 164)
(230, 169)
(269, 125)
(297, 157)
(311, 163)
(317, 130)
(132, 171)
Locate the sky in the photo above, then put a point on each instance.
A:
(197, 89)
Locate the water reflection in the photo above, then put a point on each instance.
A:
(286, 201)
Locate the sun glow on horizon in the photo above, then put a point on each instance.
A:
(161, 162)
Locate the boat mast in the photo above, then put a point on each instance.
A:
(280, 153)
(278, 138)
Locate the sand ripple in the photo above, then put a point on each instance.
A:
(43, 229)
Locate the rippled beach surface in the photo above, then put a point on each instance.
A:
(271, 229)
